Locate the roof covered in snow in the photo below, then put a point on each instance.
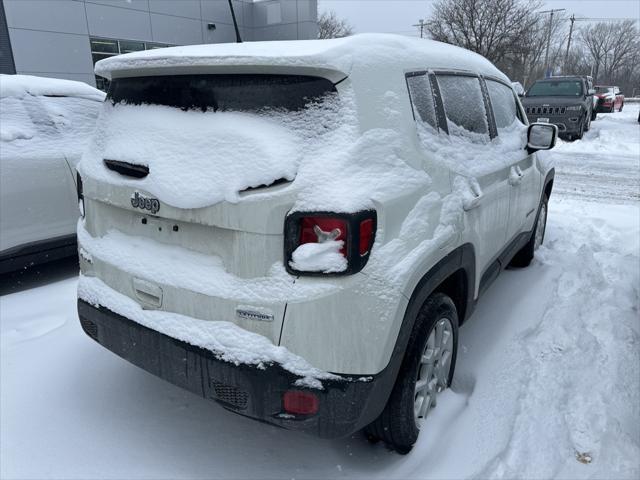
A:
(17, 86)
(357, 52)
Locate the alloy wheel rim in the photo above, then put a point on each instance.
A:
(540, 226)
(434, 369)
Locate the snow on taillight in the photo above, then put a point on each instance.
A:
(322, 229)
(322, 243)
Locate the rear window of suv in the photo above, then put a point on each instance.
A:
(238, 92)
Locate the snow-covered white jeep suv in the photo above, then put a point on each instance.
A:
(297, 229)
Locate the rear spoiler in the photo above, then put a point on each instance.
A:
(333, 75)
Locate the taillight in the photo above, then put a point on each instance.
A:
(80, 194)
(355, 231)
(300, 403)
(319, 229)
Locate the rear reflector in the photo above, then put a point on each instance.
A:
(300, 403)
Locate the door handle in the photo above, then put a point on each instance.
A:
(515, 176)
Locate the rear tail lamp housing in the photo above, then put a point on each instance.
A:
(356, 230)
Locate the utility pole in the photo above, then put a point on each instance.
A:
(546, 55)
(421, 25)
(572, 19)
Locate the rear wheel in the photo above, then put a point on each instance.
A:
(594, 114)
(587, 119)
(525, 254)
(427, 369)
(621, 105)
(580, 134)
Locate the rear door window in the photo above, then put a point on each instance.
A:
(422, 99)
(503, 103)
(464, 106)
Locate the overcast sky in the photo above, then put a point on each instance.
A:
(398, 16)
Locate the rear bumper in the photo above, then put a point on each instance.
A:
(345, 406)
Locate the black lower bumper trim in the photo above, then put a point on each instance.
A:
(345, 405)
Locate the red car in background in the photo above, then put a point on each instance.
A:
(609, 99)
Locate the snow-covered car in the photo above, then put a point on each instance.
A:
(297, 229)
(45, 124)
(609, 99)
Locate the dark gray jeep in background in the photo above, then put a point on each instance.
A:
(564, 101)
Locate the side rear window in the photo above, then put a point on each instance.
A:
(503, 104)
(464, 106)
(422, 98)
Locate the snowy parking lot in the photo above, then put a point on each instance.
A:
(547, 382)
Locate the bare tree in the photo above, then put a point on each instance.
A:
(495, 29)
(612, 47)
(613, 52)
(331, 26)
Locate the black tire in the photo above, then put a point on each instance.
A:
(525, 255)
(587, 120)
(594, 114)
(580, 134)
(397, 425)
(622, 105)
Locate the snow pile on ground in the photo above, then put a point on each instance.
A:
(228, 341)
(605, 165)
(583, 357)
(614, 133)
(17, 86)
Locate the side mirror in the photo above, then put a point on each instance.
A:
(541, 136)
(592, 91)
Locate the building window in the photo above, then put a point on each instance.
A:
(105, 48)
